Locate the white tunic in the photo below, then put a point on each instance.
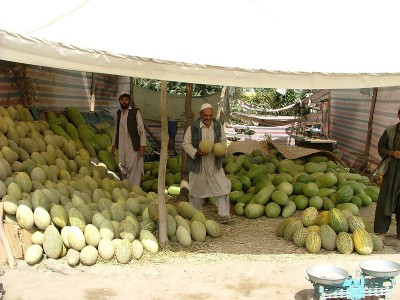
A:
(210, 181)
(130, 161)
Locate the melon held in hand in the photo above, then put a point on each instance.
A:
(206, 146)
(219, 149)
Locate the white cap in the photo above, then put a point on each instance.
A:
(205, 105)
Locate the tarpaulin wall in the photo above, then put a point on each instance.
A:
(387, 103)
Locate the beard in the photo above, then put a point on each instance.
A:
(124, 106)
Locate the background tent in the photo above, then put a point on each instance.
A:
(257, 43)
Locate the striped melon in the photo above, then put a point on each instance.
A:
(355, 223)
(344, 243)
(309, 216)
(363, 242)
(337, 221)
(299, 237)
(291, 228)
(280, 228)
(313, 242)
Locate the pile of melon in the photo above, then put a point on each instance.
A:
(149, 181)
(75, 208)
(271, 185)
(339, 230)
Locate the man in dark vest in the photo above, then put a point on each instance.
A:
(206, 174)
(130, 140)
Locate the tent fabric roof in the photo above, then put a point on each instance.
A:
(258, 43)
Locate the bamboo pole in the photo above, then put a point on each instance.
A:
(162, 208)
(4, 241)
(184, 192)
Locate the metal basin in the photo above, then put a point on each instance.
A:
(327, 275)
(380, 268)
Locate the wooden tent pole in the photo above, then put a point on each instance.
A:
(162, 208)
(4, 240)
(371, 119)
(184, 192)
(93, 92)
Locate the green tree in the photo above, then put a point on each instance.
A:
(179, 88)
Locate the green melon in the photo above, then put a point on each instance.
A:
(10, 204)
(92, 235)
(41, 218)
(73, 257)
(89, 255)
(137, 249)
(183, 236)
(198, 231)
(24, 216)
(289, 209)
(76, 239)
(106, 249)
(186, 210)
(206, 146)
(148, 241)
(52, 242)
(272, 210)
(219, 149)
(254, 210)
(328, 237)
(33, 254)
(213, 229)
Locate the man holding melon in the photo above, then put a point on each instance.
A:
(389, 195)
(205, 143)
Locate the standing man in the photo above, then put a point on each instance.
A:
(206, 174)
(130, 140)
(389, 195)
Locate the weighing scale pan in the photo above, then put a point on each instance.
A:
(380, 268)
(327, 275)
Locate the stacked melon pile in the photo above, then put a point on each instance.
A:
(72, 125)
(340, 230)
(274, 186)
(149, 181)
(74, 208)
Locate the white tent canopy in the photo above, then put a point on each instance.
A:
(258, 43)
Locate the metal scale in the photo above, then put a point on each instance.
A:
(376, 278)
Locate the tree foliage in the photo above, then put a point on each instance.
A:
(179, 88)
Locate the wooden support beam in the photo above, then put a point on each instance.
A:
(162, 208)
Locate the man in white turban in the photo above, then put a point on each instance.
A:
(206, 174)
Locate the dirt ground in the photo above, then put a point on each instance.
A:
(247, 262)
